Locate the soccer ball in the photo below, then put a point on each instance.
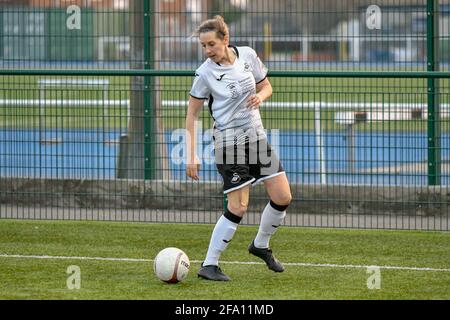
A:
(171, 265)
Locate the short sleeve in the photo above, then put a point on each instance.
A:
(259, 69)
(199, 88)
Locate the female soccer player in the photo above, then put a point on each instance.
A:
(234, 82)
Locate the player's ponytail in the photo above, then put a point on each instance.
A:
(216, 24)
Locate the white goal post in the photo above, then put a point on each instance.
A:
(70, 84)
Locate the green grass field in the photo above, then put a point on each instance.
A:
(25, 277)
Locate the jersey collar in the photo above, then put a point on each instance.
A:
(235, 50)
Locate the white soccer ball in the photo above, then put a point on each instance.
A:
(171, 265)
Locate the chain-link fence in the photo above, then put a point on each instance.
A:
(93, 99)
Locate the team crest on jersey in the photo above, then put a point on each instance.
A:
(236, 178)
(247, 67)
(233, 90)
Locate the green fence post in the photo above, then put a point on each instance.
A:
(225, 202)
(149, 110)
(434, 156)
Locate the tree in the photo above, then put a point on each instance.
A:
(131, 151)
(145, 136)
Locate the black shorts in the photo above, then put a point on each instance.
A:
(249, 163)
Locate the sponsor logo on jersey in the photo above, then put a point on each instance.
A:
(233, 90)
(220, 77)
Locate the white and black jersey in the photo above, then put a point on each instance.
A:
(227, 88)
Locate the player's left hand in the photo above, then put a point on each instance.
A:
(254, 101)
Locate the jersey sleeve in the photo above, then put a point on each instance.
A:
(199, 88)
(259, 69)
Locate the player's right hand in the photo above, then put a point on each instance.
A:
(192, 169)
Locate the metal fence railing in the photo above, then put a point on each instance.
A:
(91, 114)
(287, 34)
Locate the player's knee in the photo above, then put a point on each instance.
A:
(283, 199)
(238, 209)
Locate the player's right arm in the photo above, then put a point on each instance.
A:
(192, 161)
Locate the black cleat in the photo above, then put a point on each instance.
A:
(267, 256)
(212, 272)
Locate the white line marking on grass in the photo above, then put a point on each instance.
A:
(73, 258)
(295, 264)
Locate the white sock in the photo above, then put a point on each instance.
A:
(222, 234)
(271, 219)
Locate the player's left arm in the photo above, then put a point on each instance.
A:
(263, 92)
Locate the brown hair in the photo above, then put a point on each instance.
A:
(216, 24)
